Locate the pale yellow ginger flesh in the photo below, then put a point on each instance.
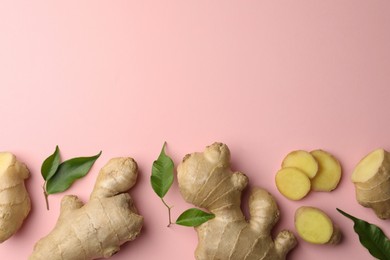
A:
(292, 183)
(329, 171)
(314, 226)
(368, 166)
(206, 180)
(302, 160)
(98, 228)
(371, 177)
(15, 202)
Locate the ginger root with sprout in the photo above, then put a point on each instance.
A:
(14, 200)
(206, 180)
(371, 177)
(98, 228)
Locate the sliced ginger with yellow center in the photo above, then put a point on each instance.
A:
(292, 183)
(314, 226)
(329, 171)
(302, 160)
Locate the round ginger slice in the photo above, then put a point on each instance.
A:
(302, 160)
(292, 183)
(314, 226)
(329, 171)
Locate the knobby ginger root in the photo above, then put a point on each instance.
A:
(206, 180)
(371, 177)
(314, 226)
(329, 171)
(302, 160)
(14, 200)
(292, 183)
(98, 228)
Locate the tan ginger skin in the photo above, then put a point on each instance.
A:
(14, 200)
(372, 182)
(98, 228)
(206, 180)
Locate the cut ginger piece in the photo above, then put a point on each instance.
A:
(372, 182)
(369, 166)
(292, 183)
(302, 160)
(314, 226)
(329, 172)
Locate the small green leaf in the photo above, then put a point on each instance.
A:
(68, 172)
(162, 174)
(50, 165)
(193, 217)
(371, 237)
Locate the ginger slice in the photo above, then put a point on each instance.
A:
(302, 160)
(292, 183)
(314, 226)
(329, 171)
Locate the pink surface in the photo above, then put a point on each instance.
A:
(265, 77)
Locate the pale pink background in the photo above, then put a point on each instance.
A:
(265, 77)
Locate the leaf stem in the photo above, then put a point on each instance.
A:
(169, 212)
(46, 197)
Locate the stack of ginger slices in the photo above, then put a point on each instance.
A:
(304, 171)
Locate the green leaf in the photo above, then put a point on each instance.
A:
(193, 217)
(371, 237)
(50, 165)
(68, 172)
(162, 174)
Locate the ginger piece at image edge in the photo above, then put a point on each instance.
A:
(371, 178)
(206, 180)
(15, 202)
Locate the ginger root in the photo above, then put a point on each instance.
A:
(14, 200)
(314, 226)
(206, 180)
(371, 177)
(98, 228)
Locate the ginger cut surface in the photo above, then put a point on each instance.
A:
(15, 202)
(292, 183)
(314, 226)
(98, 228)
(371, 178)
(206, 180)
(329, 171)
(302, 160)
